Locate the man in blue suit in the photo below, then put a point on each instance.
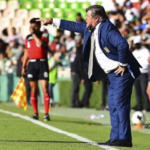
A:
(106, 52)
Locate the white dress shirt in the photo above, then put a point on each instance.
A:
(106, 64)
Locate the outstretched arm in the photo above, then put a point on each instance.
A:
(64, 24)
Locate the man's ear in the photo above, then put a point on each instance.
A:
(98, 19)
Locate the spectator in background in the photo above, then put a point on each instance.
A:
(146, 34)
(14, 50)
(88, 89)
(5, 35)
(56, 46)
(3, 46)
(52, 63)
(3, 59)
(131, 13)
(116, 16)
(10, 68)
(15, 37)
(79, 18)
(50, 36)
(142, 7)
(130, 40)
(60, 34)
(53, 44)
(141, 53)
(146, 14)
(104, 93)
(87, 82)
(7, 68)
(110, 6)
(70, 42)
(76, 64)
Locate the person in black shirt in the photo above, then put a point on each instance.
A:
(3, 46)
(76, 64)
(88, 89)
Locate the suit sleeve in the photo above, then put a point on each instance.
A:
(118, 41)
(69, 25)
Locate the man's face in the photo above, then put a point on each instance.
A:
(90, 20)
(78, 17)
(35, 27)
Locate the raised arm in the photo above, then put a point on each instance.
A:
(64, 24)
(72, 26)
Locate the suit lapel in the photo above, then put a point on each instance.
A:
(87, 36)
(100, 31)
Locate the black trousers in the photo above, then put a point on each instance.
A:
(88, 90)
(75, 89)
(140, 90)
(104, 91)
(10, 78)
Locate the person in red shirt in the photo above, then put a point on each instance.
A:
(36, 45)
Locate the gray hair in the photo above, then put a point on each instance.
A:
(98, 11)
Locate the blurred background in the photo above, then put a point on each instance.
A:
(131, 17)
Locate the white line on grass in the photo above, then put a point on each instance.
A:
(75, 136)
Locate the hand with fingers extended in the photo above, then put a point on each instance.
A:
(45, 21)
(120, 70)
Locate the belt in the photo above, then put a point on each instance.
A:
(34, 60)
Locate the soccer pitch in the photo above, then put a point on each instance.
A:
(69, 129)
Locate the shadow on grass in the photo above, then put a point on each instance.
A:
(68, 142)
(26, 141)
(135, 147)
(79, 122)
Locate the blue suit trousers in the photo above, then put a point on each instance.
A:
(119, 96)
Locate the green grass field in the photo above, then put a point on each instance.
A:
(20, 134)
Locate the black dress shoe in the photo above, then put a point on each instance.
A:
(121, 143)
(108, 142)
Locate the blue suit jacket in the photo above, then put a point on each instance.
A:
(111, 42)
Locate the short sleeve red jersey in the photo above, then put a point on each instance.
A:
(34, 50)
